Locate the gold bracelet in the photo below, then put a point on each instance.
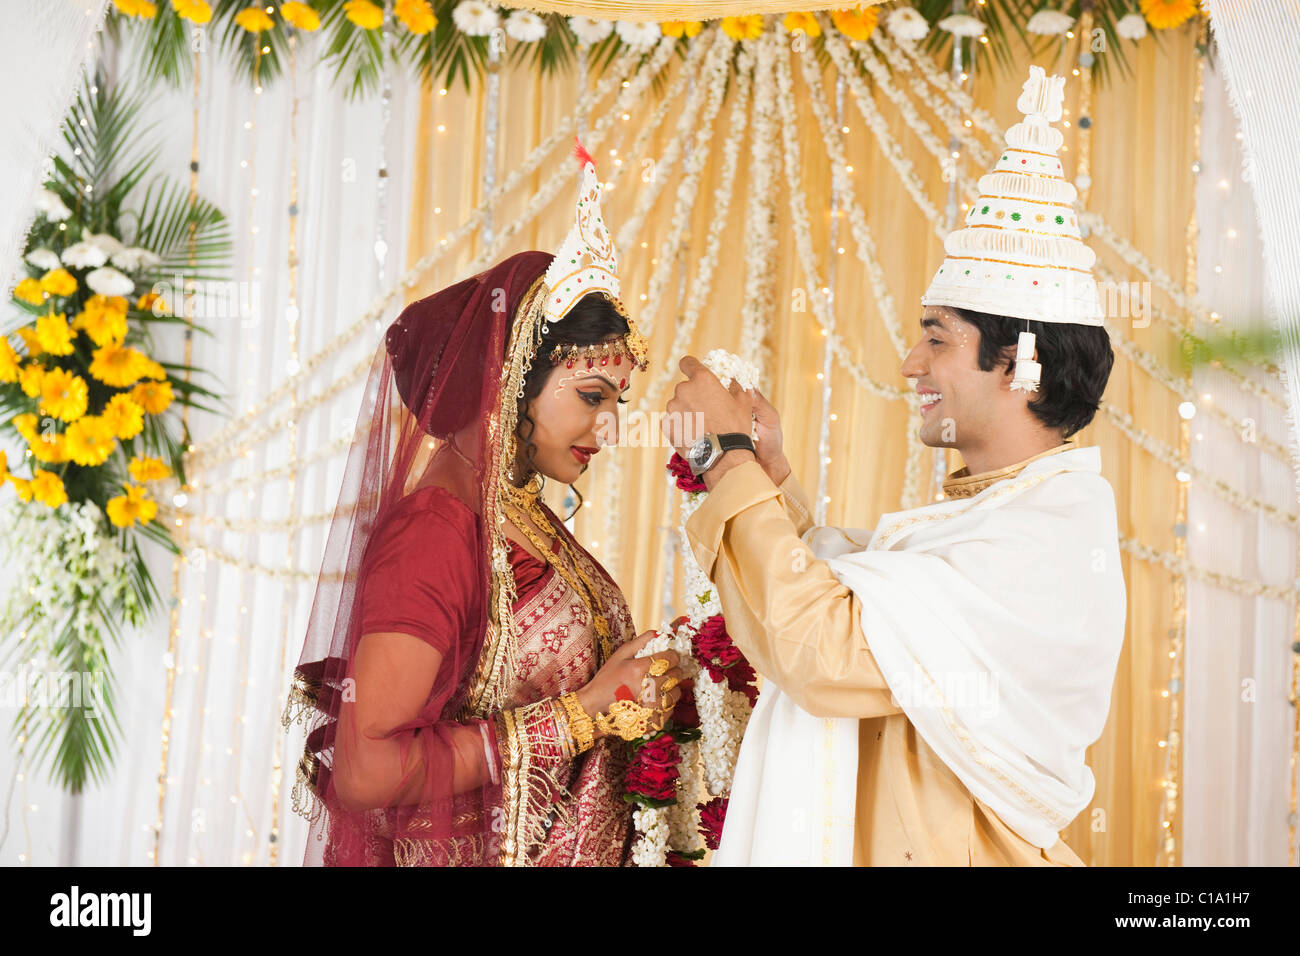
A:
(580, 725)
(562, 731)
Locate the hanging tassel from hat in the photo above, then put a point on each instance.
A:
(1028, 372)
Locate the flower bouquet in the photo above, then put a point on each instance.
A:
(90, 415)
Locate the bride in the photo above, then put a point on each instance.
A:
(469, 675)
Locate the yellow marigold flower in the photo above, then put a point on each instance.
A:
(63, 395)
(29, 377)
(196, 11)
(747, 27)
(4, 466)
(1167, 14)
(115, 302)
(136, 8)
(300, 15)
(54, 334)
(135, 505)
(89, 440)
(25, 425)
(148, 469)
(8, 361)
(417, 15)
(47, 488)
(681, 28)
(254, 19)
(124, 416)
(152, 369)
(152, 302)
(804, 23)
(51, 449)
(59, 282)
(118, 365)
(102, 321)
(364, 14)
(856, 24)
(153, 397)
(22, 486)
(30, 339)
(30, 291)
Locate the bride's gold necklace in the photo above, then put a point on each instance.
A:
(526, 502)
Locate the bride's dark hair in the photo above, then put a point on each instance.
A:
(592, 320)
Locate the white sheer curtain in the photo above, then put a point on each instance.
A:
(42, 45)
(233, 631)
(1237, 728)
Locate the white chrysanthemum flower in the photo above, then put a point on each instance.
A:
(1132, 27)
(962, 25)
(45, 259)
(525, 27)
(588, 30)
(1049, 23)
(904, 23)
(84, 255)
(475, 18)
(108, 281)
(110, 244)
(135, 258)
(639, 36)
(49, 203)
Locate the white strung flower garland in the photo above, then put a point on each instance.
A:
(723, 712)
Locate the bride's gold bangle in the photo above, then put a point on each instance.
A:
(580, 725)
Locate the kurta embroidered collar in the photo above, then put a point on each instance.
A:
(962, 484)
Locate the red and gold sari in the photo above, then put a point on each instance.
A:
(483, 774)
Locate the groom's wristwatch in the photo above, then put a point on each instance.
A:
(704, 454)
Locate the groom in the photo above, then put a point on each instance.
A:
(930, 689)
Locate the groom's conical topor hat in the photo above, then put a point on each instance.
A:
(1020, 253)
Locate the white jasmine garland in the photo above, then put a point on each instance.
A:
(84, 255)
(961, 25)
(716, 68)
(759, 304)
(904, 23)
(475, 18)
(525, 27)
(108, 281)
(590, 31)
(702, 284)
(1049, 23)
(1132, 26)
(44, 259)
(639, 36)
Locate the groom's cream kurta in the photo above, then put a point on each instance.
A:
(911, 809)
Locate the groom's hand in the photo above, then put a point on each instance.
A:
(699, 406)
(767, 428)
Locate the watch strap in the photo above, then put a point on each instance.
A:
(730, 441)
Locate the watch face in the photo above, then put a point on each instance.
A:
(699, 452)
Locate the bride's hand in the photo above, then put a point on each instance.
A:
(768, 450)
(624, 668)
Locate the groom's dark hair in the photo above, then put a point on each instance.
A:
(1076, 361)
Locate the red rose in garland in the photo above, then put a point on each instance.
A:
(712, 816)
(680, 470)
(653, 773)
(713, 648)
(685, 713)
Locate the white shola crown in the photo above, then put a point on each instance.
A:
(1020, 253)
(585, 261)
